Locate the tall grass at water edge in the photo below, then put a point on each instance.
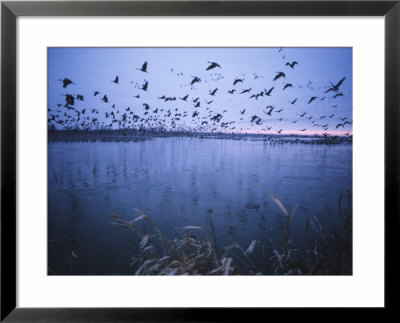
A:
(195, 253)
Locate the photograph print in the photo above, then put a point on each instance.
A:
(200, 161)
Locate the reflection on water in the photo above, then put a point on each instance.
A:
(227, 180)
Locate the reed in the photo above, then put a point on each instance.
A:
(193, 253)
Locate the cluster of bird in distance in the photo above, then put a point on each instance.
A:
(194, 105)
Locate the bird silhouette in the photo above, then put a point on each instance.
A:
(293, 102)
(66, 82)
(69, 99)
(258, 95)
(336, 95)
(143, 68)
(245, 91)
(270, 107)
(292, 64)
(268, 93)
(279, 75)
(115, 80)
(105, 99)
(254, 117)
(312, 99)
(287, 85)
(144, 86)
(195, 80)
(213, 92)
(217, 117)
(335, 88)
(213, 65)
(237, 80)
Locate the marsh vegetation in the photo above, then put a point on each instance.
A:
(195, 253)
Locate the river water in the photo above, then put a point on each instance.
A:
(227, 181)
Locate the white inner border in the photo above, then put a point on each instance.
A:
(364, 288)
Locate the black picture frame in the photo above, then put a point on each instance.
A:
(10, 10)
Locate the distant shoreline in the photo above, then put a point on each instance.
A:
(137, 135)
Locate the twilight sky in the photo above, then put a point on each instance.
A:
(170, 72)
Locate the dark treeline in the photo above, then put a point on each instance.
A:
(106, 135)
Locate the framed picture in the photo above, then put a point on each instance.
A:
(154, 160)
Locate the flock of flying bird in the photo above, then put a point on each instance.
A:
(203, 114)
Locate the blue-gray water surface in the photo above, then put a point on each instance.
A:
(227, 180)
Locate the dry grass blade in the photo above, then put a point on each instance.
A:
(214, 238)
(164, 240)
(143, 266)
(137, 219)
(145, 241)
(181, 215)
(134, 260)
(280, 204)
(191, 227)
(114, 216)
(318, 224)
(225, 267)
(164, 258)
(228, 267)
(277, 255)
(236, 245)
(119, 224)
(148, 248)
(250, 248)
